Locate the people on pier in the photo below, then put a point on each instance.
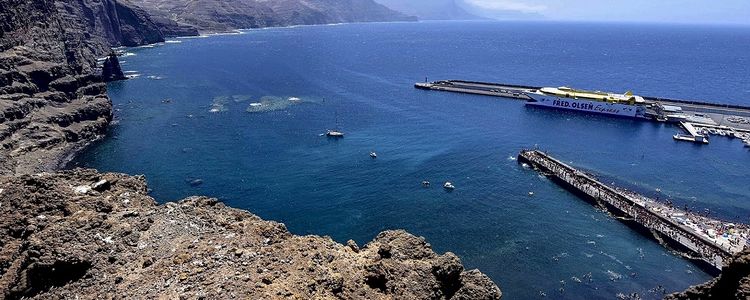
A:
(712, 240)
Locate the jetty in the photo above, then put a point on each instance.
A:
(706, 241)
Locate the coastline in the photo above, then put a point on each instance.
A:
(281, 32)
(99, 204)
(81, 232)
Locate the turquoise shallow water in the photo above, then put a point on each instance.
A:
(275, 164)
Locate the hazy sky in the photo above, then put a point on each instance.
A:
(672, 11)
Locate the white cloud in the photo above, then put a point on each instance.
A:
(507, 5)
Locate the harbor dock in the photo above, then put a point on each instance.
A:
(514, 91)
(706, 241)
(698, 119)
(478, 88)
(692, 134)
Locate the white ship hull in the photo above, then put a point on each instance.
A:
(617, 109)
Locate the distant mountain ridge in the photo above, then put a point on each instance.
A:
(431, 9)
(218, 15)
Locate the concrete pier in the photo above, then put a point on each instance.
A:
(715, 111)
(478, 88)
(692, 134)
(707, 241)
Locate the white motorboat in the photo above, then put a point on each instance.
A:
(334, 133)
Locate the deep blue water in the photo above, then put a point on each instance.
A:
(276, 164)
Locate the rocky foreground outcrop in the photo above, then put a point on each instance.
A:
(733, 283)
(82, 234)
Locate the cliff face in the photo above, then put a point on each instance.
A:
(218, 15)
(52, 100)
(105, 23)
(89, 235)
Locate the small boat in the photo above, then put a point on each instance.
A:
(373, 155)
(531, 193)
(334, 133)
(448, 186)
(425, 183)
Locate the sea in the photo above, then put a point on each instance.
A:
(240, 117)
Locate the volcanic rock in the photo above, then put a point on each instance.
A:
(61, 244)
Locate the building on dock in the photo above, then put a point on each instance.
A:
(709, 242)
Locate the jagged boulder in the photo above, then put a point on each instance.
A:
(111, 70)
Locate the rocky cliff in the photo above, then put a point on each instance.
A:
(219, 15)
(108, 23)
(51, 101)
(82, 234)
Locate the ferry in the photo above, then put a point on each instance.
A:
(625, 105)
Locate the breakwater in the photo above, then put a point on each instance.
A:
(708, 242)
